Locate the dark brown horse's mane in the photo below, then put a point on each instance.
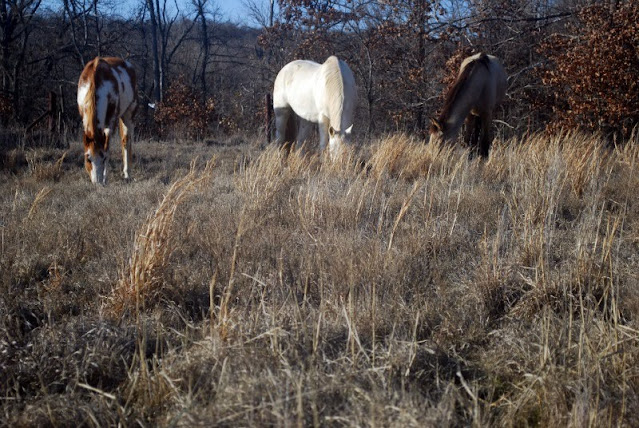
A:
(460, 82)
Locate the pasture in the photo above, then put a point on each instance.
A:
(226, 286)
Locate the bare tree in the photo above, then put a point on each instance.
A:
(164, 17)
(203, 11)
(15, 27)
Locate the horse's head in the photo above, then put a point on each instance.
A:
(337, 140)
(96, 156)
(437, 131)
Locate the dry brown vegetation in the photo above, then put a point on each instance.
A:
(405, 286)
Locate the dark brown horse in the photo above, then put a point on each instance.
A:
(479, 89)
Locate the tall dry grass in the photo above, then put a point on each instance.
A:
(153, 245)
(407, 285)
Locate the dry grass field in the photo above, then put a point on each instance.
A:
(406, 286)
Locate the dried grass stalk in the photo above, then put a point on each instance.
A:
(154, 244)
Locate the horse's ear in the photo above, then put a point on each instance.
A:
(349, 129)
(435, 125)
(331, 131)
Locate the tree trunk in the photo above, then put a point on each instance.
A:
(205, 47)
(157, 86)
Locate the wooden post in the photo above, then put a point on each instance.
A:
(269, 118)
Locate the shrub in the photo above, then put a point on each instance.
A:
(184, 111)
(593, 71)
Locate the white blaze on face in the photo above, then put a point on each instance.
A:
(98, 168)
(99, 163)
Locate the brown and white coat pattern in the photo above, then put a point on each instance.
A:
(106, 95)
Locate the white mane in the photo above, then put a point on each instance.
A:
(334, 83)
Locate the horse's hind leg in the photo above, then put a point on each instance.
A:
(126, 136)
(469, 125)
(284, 128)
(303, 134)
(486, 137)
(473, 127)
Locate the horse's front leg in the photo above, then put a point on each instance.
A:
(486, 137)
(126, 136)
(323, 125)
(471, 131)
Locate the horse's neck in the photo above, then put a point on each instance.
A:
(456, 115)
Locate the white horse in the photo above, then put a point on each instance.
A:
(479, 89)
(324, 94)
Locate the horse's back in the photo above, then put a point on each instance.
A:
(490, 79)
(109, 85)
(294, 86)
(123, 76)
(294, 78)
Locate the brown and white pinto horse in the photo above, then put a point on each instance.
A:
(479, 89)
(106, 94)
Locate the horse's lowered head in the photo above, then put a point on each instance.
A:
(96, 155)
(439, 132)
(338, 140)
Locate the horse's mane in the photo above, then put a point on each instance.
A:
(89, 118)
(334, 83)
(459, 84)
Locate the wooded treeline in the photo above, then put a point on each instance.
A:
(571, 63)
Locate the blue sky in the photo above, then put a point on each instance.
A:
(231, 9)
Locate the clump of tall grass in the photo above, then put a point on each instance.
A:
(153, 245)
(44, 170)
(405, 157)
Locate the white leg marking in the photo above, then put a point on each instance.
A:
(126, 136)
